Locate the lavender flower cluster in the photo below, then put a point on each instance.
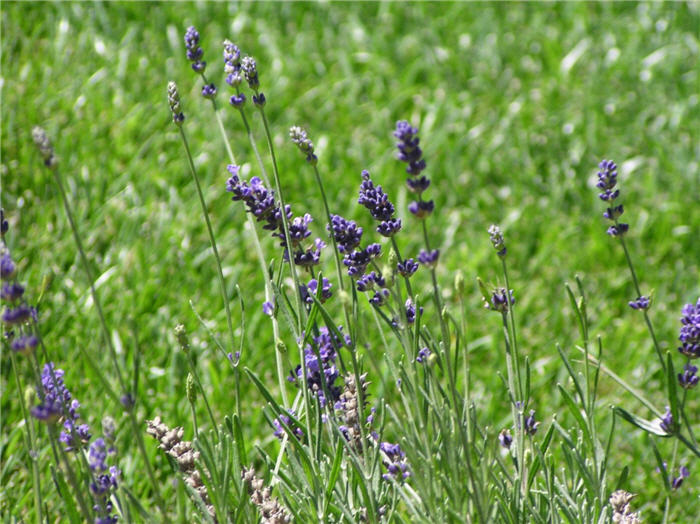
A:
(260, 202)
(321, 372)
(607, 180)
(17, 314)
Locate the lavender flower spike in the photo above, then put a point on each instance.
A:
(690, 331)
(379, 206)
(194, 52)
(232, 64)
(607, 180)
(305, 145)
(497, 240)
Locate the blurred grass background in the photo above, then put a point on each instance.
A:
(516, 105)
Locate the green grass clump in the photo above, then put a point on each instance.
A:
(516, 105)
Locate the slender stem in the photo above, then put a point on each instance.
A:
(516, 355)
(639, 294)
(29, 439)
(193, 369)
(283, 213)
(258, 250)
(105, 332)
(212, 240)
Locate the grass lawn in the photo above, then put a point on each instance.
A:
(516, 105)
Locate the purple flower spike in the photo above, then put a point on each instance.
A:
(194, 52)
(689, 378)
(607, 180)
(346, 233)
(7, 267)
(394, 461)
(250, 70)
(407, 145)
(232, 64)
(690, 331)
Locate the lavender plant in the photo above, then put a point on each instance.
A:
(373, 418)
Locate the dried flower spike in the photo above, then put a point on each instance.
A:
(185, 456)
(45, 148)
(271, 511)
(174, 102)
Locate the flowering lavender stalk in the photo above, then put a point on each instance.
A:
(17, 314)
(194, 52)
(321, 372)
(106, 481)
(394, 460)
(607, 182)
(261, 203)
(58, 402)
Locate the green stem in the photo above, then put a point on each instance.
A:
(285, 221)
(193, 369)
(212, 241)
(258, 250)
(29, 438)
(516, 355)
(639, 294)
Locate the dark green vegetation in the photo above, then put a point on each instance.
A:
(516, 106)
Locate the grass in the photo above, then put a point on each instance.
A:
(516, 105)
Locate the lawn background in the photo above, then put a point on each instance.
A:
(516, 105)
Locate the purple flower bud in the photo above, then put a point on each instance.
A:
(505, 438)
(689, 378)
(429, 258)
(407, 268)
(209, 91)
(268, 308)
(683, 473)
(666, 422)
(618, 230)
(642, 303)
(421, 209)
(530, 424)
(423, 355)
(237, 101)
